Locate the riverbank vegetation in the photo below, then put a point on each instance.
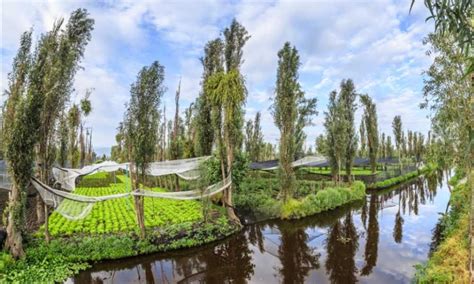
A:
(64, 257)
(402, 178)
(259, 197)
(449, 263)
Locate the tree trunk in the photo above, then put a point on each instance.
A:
(40, 218)
(138, 201)
(14, 242)
(228, 191)
(47, 237)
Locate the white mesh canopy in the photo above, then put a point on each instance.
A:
(188, 195)
(187, 169)
(299, 163)
(71, 206)
(5, 181)
(179, 167)
(67, 177)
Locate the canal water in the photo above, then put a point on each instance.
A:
(377, 240)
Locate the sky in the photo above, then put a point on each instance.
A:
(378, 44)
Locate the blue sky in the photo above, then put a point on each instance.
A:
(376, 43)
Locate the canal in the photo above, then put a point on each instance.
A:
(377, 240)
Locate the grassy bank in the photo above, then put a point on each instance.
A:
(449, 263)
(355, 171)
(64, 257)
(260, 197)
(399, 179)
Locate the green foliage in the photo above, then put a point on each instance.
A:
(142, 116)
(291, 113)
(63, 257)
(450, 261)
(213, 174)
(397, 180)
(369, 120)
(323, 200)
(259, 196)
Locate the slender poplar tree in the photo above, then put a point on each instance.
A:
(291, 112)
(347, 97)
(363, 139)
(142, 120)
(398, 135)
(370, 120)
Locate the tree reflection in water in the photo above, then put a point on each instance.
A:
(371, 246)
(341, 246)
(238, 258)
(296, 257)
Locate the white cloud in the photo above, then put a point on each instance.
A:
(378, 44)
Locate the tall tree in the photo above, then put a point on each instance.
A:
(143, 118)
(371, 125)
(288, 115)
(363, 139)
(21, 99)
(448, 95)
(176, 140)
(213, 62)
(66, 49)
(257, 138)
(336, 136)
(398, 134)
(228, 94)
(63, 140)
(86, 109)
(389, 147)
(321, 145)
(74, 120)
(254, 138)
(383, 147)
(347, 97)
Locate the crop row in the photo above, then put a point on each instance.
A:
(118, 215)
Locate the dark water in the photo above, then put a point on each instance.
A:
(373, 241)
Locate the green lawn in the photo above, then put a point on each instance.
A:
(118, 215)
(355, 171)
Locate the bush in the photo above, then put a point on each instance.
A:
(323, 200)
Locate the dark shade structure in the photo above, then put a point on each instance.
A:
(358, 162)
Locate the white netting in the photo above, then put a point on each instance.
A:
(74, 206)
(71, 206)
(185, 168)
(67, 177)
(5, 181)
(178, 167)
(298, 163)
(188, 195)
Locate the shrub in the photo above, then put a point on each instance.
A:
(323, 200)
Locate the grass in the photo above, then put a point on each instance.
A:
(118, 215)
(450, 261)
(323, 200)
(355, 171)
